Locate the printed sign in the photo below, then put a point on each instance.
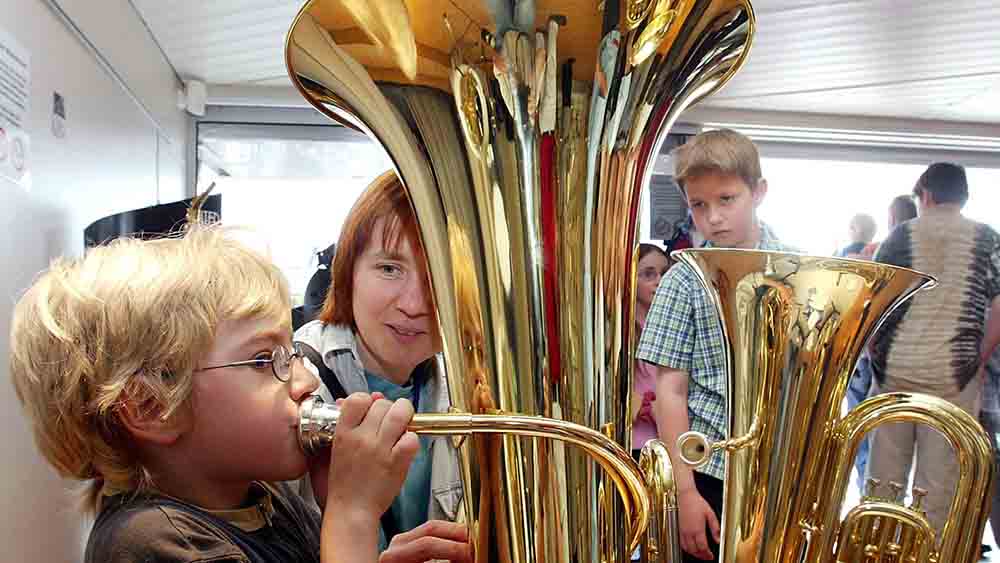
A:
(15, 86)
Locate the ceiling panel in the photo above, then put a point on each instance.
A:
(910, 59)
(222, 41)
(919, 59)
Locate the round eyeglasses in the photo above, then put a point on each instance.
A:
(280, 362)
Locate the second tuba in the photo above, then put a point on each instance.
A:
(795, 326)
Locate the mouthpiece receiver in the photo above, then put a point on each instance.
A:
(694, 448)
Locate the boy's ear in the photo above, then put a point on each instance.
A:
(144, 421)
(759, 192)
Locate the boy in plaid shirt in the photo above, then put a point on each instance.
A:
(719, 174)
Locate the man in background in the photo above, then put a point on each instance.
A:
(936, 343)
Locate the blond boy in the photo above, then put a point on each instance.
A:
(161, 374)
(719, 174)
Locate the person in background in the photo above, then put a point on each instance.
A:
(901, 210)
(719, 174)
(377, 331)
(162, 375)
(861, 231)
(653, 263)
(938, 341)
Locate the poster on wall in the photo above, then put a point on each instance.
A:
(15, 86)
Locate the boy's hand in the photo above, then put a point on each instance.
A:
(695, 515)
(319, 466)
(433, 540)
(369, 458)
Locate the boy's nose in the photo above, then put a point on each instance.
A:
(714, 216)
(303, 382)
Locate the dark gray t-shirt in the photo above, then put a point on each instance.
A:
(275, 527)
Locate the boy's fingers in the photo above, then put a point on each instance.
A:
(406, 449)
(353, 410)
(373, 420)
(701, 544)
(713, 525)
(395, 422)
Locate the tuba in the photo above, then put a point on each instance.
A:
(524, 132)
(795, 326)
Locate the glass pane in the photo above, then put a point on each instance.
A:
(292, 185)
(810, 202)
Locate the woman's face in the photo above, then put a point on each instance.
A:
(651, 268)
(393, 311)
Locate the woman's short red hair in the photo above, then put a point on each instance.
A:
(385, 198)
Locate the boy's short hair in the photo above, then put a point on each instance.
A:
(128, 322)
(720, 151)
(945, 182)
(385, 198)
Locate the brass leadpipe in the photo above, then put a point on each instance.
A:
(318, 422)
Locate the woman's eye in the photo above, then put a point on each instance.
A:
(389, 270)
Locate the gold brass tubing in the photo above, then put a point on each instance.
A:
(969, 508)
(890, 514)
(318, 420)
(661, 542)
(611, 457)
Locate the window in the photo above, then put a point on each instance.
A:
(293, 185)
(810, 202)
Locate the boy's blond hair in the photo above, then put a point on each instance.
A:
(721, 151)
(128, 322)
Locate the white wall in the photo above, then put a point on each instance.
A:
(115, 156)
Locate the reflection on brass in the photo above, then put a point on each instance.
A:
(655, 31)
(524, 139)
(794, 328)
(635, 12)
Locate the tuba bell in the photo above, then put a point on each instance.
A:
(524, 132)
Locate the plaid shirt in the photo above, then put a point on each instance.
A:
(683, 332)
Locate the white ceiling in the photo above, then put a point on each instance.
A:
(913, 59)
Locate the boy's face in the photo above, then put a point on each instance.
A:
(245, 422)
(724, 208)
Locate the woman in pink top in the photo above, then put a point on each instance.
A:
(653, 263)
